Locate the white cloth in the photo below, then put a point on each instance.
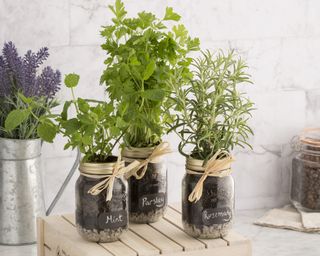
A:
(289, 217)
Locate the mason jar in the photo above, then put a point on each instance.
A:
(305, 176)
(97, 219)
(212, 215)
(148, 188)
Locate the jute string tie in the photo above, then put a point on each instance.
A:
(114, 172)
(139, 171)
(214, 167)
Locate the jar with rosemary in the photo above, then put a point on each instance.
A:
(101, 190)
(143, 53)
(212, 119)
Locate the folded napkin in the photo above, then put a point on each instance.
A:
(291, 218)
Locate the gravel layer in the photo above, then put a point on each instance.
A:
(149, 217)
(103, 236)
(207, 232)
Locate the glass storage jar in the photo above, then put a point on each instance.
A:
(212, 215)
(97, 219)
(148, 189)
(305, 176)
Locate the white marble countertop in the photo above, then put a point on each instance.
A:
(265, 241)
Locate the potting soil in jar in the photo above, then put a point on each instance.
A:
(99, 220)
(147, 194)
(212, 215)
(305, 178)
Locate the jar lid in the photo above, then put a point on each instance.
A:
(311, 137)
(98, 168)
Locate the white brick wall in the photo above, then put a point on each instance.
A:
(280, 39)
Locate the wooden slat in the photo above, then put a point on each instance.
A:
(238, 250)
(60, 234)
(175, 218)
(235, 239)
(176, 234)
(142, 247)
(40, 237)
(116, 248)
(164, 244)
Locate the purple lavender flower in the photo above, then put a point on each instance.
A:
(20, 74)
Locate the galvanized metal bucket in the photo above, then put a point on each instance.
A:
(21, 193)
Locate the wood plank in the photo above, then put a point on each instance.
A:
(176, 234)
(60, 235)
(164, 244)
(116, 248)
(237, 250)
(141, 246)
(234, 238)
(174, 218)
(40, 237)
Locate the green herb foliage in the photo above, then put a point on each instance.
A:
(93, 130)
(143, 53)
(212, 113)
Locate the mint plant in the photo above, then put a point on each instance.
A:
(144, 52)
(212, 114)
(93, 130)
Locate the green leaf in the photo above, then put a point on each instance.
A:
(154, 94)
(118, 9)
(64, 113)
(171, 15)
(15, 118)
(86, 139)
(25, 99)
(149, 70)
(83, 105)
(71, 80)
(46, 132)
(71, 126)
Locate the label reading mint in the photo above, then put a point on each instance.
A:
(112, 220)
(152, 201)
(216, 216)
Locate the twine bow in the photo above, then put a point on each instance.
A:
(108, 182)
(139, 171)
(214, 167)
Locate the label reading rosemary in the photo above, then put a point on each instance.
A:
(216, 216)
(152, 201)
(112, 219)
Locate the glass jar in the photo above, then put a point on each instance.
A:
(147, 194)
(98, 220)
(305, 176)
(212, 215)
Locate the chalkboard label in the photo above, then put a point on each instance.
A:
(112, 220)
(216, 216)
(152, 201)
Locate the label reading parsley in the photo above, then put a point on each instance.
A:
(113, 220)
(216, 216)
(152, 201)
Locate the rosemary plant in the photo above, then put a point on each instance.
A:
(212, 113)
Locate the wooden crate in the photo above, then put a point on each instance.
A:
(57, 236)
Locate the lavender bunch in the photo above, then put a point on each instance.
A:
(19, 80)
